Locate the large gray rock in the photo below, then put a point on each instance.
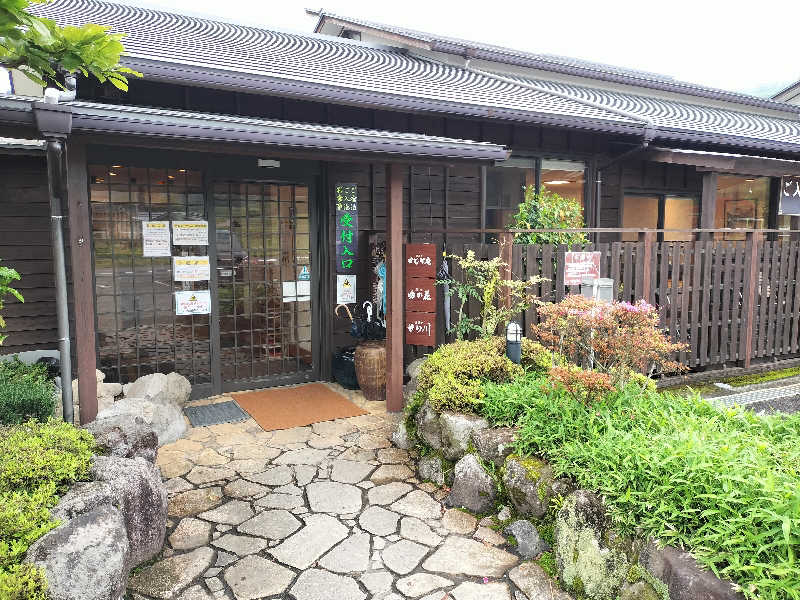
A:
(457, 432)
(83, 498)
(495, 444)
(165, 418)
(529, 543)
(472, 489)
(159, 388)
(169, 577)
(85, 559)
(535, 583)
(429, 430)
(433, 468)
(125, 436)
(400, 437)
(684, 577)
(528, 482)
(584, 562)
(143, 502)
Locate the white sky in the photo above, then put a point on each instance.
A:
(750, 46)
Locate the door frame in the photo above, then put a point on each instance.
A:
(318, 243)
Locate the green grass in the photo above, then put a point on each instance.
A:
(725, 485)
(743, 380)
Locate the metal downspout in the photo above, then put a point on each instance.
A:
(56, 186)
(55, 171)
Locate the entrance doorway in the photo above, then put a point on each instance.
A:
(263, 272)
(259, 330)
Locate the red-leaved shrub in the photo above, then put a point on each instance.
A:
(584, 386)
(616, 338)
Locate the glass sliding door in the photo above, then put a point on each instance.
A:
(263, 279)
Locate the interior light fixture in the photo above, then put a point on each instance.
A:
(112, 173)
(181, 170)
(557, 182)
(116, 166)
(749, 179)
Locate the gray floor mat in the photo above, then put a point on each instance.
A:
(214, 414)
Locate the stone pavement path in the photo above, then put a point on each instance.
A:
(326, 512)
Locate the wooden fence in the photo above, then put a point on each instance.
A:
(730, 301)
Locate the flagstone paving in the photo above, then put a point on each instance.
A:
(329, 511)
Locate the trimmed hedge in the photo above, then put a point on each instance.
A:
(26, 392)
(38, 462)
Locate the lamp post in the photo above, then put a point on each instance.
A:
(514, 342)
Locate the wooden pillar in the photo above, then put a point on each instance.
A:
(708, 205)
(648, 239)
(506, 255)
(751, 284)
(394, 281)
(80, 244)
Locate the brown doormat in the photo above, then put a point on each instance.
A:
(287, 407)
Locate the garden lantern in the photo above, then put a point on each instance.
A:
(514, 342)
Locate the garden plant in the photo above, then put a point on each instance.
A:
(723, 484)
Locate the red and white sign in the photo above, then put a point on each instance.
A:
(578, 265)
(420, 303)
(421, 260)
(421, 328)
(421, 295)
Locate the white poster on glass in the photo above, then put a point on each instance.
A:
(190, 233)
(195, 302)
(345, 289)
(155, 238)
(191, 268)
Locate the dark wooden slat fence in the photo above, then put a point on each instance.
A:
(729, 301)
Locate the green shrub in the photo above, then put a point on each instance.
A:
(23, 582)
(38, 461)
(453, 376)
(26, 392)
(724, 485)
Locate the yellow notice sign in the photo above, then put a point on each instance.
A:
(191, 268)
(190, 233)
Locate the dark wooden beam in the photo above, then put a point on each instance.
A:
(80, 244)
(742, 165)
(394, 280)
(708, 204)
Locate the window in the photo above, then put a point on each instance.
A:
(660, 211)
(742, 203)
(567, 178)
(504, 189)
(505, 184)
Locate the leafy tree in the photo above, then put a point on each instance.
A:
(6, 277)
(482, 282)
(548, 210)
(43, 50)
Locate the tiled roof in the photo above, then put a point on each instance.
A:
(179, 48)
(551, 62)
(681, 117)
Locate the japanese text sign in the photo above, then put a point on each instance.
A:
(190, 233)
(421, 260)
(346, 228)
(191, 268)
(155, 238)
(421, 328)
(790, 196)
(193, 302)
(421, 294)
(420, 291)
(578, 265)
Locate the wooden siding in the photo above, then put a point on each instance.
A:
(25, 246)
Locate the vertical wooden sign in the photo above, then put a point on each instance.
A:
(346, 228)
(420, 290)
